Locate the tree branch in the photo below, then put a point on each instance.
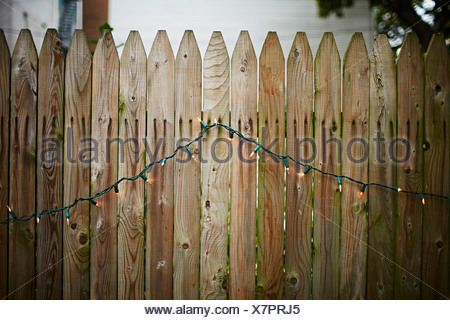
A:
(406, 13)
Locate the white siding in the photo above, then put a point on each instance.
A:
(257, 16)
(40, 15)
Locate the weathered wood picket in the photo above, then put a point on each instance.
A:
(214, 222)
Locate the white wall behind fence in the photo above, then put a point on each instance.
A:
(257, 16)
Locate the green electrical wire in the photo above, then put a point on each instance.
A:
(232, 132)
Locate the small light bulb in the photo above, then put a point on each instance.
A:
(190, 152)
(361, 193)
(301, 174)
(163, 162)
(307, 170)
(423, 199)
(286, 164)
(143, 178)
(67, 216)
(38, 218)
(116, 190)
(255, 150)
(215, 120)
(202, 122)
(340, 184)
(11, 212)
(340, 188)
(399, 189)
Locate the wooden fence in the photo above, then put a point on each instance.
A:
(210, 228)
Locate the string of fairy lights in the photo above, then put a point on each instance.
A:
(141, 175)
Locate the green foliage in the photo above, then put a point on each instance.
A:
(105, 26)
(397, 17)
(327, 7)
(102, 28)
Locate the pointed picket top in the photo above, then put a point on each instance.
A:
(25, 58)
(188, 62)
(216, 46)
(436, 46)
(410, 47)
(188, 48)
(79, 48)
(326, 54)
(244, 67)
(161, 50)
(50, 44)
(356, 51)
(133, 45)
(300, 49)
(216, 73)
(106, 48)
(271, 50)
(243, 48)
(160, 66)
(133, 74)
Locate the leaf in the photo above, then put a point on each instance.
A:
(105, 26)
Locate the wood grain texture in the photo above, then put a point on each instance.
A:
(244, 70)
(160, 138)
(105, 97)
(355, 123)
(435, 241)
(271, 170)
(49, 167)
(24, 66)
(188, 99)
(327, 104)
(77, 132)
(299, 135)
(132, 124)
(382, 130)
(409, 170)
(5, 86)
(215, 171)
